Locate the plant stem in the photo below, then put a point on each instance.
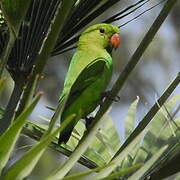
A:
(8, 116)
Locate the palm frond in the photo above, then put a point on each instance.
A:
(31, 36)
(37, 21)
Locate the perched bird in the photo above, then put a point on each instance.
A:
(89, 74)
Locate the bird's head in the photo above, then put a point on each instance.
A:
(101, 35)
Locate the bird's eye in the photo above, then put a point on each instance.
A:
(101, 30)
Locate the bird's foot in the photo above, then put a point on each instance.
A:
(88, 121)
(108, 95)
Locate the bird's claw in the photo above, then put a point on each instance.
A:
(89, 121)
(107, 94)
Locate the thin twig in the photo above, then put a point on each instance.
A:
(116, 16)
(138, 14)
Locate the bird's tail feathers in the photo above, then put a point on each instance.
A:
(66, 133)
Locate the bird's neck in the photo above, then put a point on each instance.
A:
(85, 46)
(91, 47)
(93, 50)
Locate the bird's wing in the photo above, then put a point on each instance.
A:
(87, 76)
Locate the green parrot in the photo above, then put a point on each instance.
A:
(89, 73)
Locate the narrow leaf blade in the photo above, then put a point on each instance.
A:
(139, 174)
(25, 165)
(130, 118)
(9, 138)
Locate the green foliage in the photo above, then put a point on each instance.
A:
(161, 131)
(139, 174)
(104, 145)
(130, 118)
(9, 138)
(23, 167)
(149, 148)
(123, 172)
(144, 148)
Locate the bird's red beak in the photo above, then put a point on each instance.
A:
(115, 40)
